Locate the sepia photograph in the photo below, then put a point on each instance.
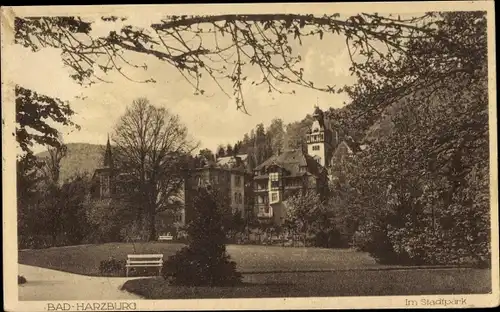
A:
(306, 155)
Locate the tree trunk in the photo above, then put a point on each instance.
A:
(152, 226)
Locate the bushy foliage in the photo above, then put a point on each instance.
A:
(204, 262)
(112, 267)
(305, 214)
(420, 193)
(109, 221)
(21, 280)
(49, 213)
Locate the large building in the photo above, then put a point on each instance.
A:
(260, 193)
(231, 182)
(283, 175)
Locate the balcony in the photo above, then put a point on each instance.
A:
(260, 190)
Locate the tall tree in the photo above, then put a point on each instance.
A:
(52, 167)
(276, 134)
(418, 178)
(152, 145)
(54, 204)
(295, 136)
(28, 197)
(35, 116)
(237, 148)
(260, 144)
(303, 211)
(229, 150)
(207, 154)
(204, 262)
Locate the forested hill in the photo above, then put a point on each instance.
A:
(266, 140)
(80, 158)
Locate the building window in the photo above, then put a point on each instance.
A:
(266, 200)
(266, 209)
(240, 198)
(316, 147)
(237, 181)
(274, 197)
(260, 199)
(274, 178)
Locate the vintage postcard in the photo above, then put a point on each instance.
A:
(249, 156)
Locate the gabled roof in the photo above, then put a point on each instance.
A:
(348, 145)
(228, 159)
(353, 145)
(292, 161)
(99, 170)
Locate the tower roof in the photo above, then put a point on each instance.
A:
(108, 157)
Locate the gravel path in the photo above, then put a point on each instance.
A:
(45, 284)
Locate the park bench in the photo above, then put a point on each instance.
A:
(167, 237)
(145, 260)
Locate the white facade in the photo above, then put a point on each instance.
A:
(318, 144)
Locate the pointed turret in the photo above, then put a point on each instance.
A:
(108, 157)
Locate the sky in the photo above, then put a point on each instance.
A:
(211, 119)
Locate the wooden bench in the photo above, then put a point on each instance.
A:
(146, 260)
(165, 237)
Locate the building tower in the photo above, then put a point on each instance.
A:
(319, 139)
(106, 174)
(108, 157)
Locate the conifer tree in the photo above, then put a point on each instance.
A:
(204, 262)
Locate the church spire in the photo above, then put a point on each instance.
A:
(108, 158)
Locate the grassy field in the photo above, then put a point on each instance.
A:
(271, 271)
(85, 259)
(326, 284)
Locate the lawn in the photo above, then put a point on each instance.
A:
(271, 271)
(328, 284)
(85, 259)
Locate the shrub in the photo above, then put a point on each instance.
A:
(196, 268)
(329, 239)
(21, 280)
(204, 262)
(112, 267)
(374, 239)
